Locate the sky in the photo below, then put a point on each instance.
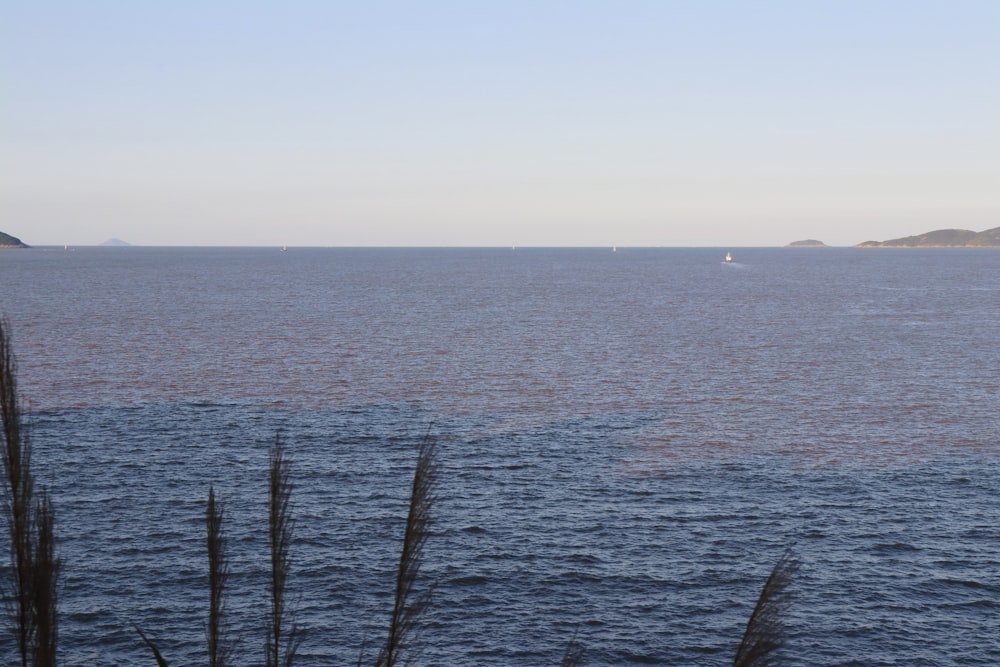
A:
(476, 123)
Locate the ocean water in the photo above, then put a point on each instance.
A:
(629, 441)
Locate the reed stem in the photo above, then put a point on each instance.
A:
(409, 606)
(765, 631)
(218, 574)
(45, 573)
(17, 500)
(282, 633)
(31, 590)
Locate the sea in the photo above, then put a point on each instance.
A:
(628, 442)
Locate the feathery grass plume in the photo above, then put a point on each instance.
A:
(31, 590)
(408, 607)
(17, 501)
(282, 634)
(152, 647)
(32, 593)
(45, 571)
(765, 632)
(218, 573)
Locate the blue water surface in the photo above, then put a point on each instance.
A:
(629, 442)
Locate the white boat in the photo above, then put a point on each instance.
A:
(729, 258)
(284, 248)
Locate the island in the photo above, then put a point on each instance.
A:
(118, 243)
(808, 243)
(942, 238)
(8, 241)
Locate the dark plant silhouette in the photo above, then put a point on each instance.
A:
(765, 632)
(218, 573)
(282, 634)
(152, 647)
(30, 591)
(409, 605)
(45, 571)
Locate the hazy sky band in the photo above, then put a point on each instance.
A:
(480, 123)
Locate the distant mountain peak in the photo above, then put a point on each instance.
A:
(808, 243)
(116, 242)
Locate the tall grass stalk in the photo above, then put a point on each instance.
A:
(30, 592)
(45, 572)
(17, 501)
(160, 661)
(282, 634)
(409, 605)
(765, 632)
(218, 574)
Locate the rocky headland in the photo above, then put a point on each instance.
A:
(8, 241)
(942, 238)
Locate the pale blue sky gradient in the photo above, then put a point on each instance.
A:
(673, 123)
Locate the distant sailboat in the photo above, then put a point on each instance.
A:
(729, 258)
(284, 248)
